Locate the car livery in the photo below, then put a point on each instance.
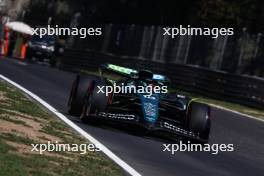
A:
(171, 113)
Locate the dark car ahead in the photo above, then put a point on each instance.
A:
(41, 49)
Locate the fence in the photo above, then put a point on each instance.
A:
(241, 53)
(216, 84)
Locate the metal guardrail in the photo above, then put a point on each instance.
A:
(215, 84)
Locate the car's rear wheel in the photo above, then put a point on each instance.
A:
(198, 120)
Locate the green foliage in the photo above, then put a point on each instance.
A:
(239, 13)
(236, 13)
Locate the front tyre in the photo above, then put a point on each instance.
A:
(198, 120)
(94, 102)
(87, 110)
(78, 92)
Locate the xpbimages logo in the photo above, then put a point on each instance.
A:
(190, 147)
(149, 90)
(181, 30)
(58, 147)
(59, 31)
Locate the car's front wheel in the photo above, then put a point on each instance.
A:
(88, 109)
(78, 91)
(198, 120)
(95, 101)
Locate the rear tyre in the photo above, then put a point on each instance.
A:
(78, 92)
(87, 110)
(198, 120)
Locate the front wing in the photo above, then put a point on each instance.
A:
(161, 125)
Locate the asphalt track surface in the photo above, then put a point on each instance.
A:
(146, 154)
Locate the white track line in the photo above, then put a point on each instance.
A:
(104, 149)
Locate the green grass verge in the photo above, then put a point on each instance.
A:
(17, 110)
(235, 107)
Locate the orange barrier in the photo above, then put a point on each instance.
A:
(1, 48)
(4, 48)
(23, 51)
